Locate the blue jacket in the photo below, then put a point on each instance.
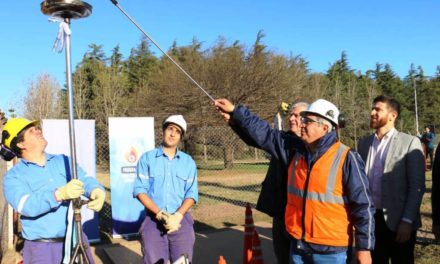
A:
(428, 138)
(280, 146)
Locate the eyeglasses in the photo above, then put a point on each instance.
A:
(306, 120)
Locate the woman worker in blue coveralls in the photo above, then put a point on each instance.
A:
(39, 187)
(166, 185)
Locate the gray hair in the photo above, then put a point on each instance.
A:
(326, 122)
(298, 104)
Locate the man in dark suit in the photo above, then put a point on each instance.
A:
(273, 196)
(394, 163)
(435, 194)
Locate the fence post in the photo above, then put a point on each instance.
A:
(5, 222)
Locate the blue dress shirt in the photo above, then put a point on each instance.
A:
(168, 182)
(30, 189)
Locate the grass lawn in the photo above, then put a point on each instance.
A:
(223, 195)
(427, 249)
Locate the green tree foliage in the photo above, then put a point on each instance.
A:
(139, 67)
(348, 90)
(390, 84)
(432, 117)
(427, 98)
(85, 81)
(116, 59)
(171, 85)
(148, 85)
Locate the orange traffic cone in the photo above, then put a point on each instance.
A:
(221, 260)
(257, 253)
(248, 232)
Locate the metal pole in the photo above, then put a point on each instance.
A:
(415, 106)
(166, 54)
(79, 249)
(71, 104)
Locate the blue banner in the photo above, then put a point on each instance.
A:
(129, 138)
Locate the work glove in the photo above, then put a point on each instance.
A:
(172, 224)
(97, 198)
(73, 189)
(162, 216)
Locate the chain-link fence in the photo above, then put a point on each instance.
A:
(3, 214)
(229, 175)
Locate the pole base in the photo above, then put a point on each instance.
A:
(66, 8)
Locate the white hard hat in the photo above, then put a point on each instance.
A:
(325, 109)
(176, 119)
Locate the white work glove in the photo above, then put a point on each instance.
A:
(172, 224)
(73, 189)
(162, 216)
(97, 199)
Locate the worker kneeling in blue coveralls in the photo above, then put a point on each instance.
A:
(39, 187)
(166, 185)
(327, 189)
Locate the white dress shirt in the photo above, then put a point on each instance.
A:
(376, 165)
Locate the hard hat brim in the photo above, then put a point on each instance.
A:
(169, 122)
(304, 113)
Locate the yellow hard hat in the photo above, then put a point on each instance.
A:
(13, 127)
(284, 106)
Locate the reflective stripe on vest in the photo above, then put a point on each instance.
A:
(317, 208)
(328, 196)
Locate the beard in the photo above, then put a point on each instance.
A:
(378, 123)
(170, 143)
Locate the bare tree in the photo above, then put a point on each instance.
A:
(42, 99)
(80, 94)
(111, 94)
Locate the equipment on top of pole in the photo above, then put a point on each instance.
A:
(65, 10)
(164, 53)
